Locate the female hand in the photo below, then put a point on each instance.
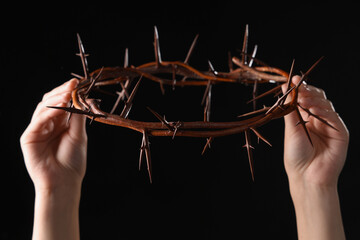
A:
(313, 169)
(54, 150)
(322, 162)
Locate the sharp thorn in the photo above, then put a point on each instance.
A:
(305, 75)
(142, 148)
(317, 117)
(93, 82)
(157, 47)
(128, 103)
(261, 137)
(253, 56)
(302, 122)
(147, 154)
(207, 90)
(254, 112)
(212, 68)
(76, 75)
(245, 45)
(83, 57)
(207, 145)
(161, 119)
(78, 111)
(191, 49)
(288, 82)
(275, 89)
(249, 152)
(126, 58)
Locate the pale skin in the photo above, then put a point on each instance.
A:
(55, 157)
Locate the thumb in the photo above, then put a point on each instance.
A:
(77, 127)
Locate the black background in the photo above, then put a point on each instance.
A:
(192, 196)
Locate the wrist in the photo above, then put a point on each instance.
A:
(56, 213)
(305, 183)
(59, 199)
(317, 210)
(300, 190)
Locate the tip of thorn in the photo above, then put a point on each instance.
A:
(156, 31)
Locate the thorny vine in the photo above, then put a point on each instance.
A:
(245, 73)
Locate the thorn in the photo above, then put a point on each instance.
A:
(317, 117)
(176, 128)
(207, 90)
(254, 112)
(121, 95)
(253, 56)
(70, 114)
(245, 45)
(162, 88)
(142, 148)
(261, 137)
(147, 154)
(212, 68)
(78, 111)
(207, 145)
(128, 104)
(76, 75)
(249, 152)
(91, 121)
(302, 122)
(126, 58)
(125, 88)
(157, 47)
(288, 82)
(290, 75)
(162, 120)
(207, 107)
(254, 93)
(305, 75)
(191, 49)
(83, 57)
(275, 89)
(277, 103)
(93, 82)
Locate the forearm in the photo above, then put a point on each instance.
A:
(56, 215)
(318, 212)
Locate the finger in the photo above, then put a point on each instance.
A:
(291, 119)
(295, 80)
(314, 100)
(77, 128)
(65, 87)
(311, 102)
(41, 122)
(60, 100)
(311, 91)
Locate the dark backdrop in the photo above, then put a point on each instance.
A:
(192, 196)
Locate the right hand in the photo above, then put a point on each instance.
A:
(55, 151)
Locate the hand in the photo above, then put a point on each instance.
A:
(54, 150)
(313, 170)
(321, 163)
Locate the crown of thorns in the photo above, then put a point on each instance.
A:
(241, 70)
